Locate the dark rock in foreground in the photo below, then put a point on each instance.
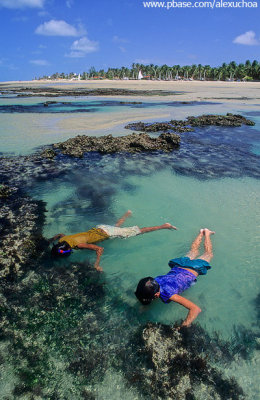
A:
(191, 122)
(5, 191)
(178, 365)
(134, 143)
(20, 231)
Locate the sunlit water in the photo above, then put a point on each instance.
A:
(212, 181)
(26, 123)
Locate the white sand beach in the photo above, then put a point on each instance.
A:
(238, 92)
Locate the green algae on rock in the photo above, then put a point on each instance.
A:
(134, 143)
(5, 191)
(21, 223)
(233, 120)
(180, 365)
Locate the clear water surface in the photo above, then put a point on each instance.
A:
(212, 181)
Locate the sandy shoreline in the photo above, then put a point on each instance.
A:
(46, 128)
(225, 92)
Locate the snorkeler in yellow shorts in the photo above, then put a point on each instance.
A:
(86, 240)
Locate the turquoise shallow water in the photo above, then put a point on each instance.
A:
(25, 123)
(212, 181)
(229, 206)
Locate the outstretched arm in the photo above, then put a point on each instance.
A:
(99, 250)
(58, 236)
(194, 310)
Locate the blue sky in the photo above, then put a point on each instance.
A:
(40, 37)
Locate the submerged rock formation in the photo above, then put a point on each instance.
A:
(191, 122)
(181, 365)
(133, 143)
(21, 221)
(6, 191)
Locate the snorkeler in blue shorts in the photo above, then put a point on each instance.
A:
(183, 273)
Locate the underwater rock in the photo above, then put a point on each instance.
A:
(172, 364)
(20, 233)
(6, 191)
(133, 143)
(187, 125)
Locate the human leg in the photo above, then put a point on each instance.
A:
(123, 218)
(194, 250)
(208, 252)
(156, 228)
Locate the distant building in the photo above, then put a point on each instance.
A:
(140, 75)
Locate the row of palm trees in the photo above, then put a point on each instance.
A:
(231, 71)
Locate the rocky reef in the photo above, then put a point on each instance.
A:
(6, 191)
(21, 221)
(183, 364)
(133, 143)
(48, 91)
(233, 120)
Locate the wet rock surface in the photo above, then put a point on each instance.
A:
(54, 92)
(183, 364)
(180, 126)
(6, 191)
(108, 144)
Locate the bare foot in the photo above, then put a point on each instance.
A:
(208, 231)
(128, 213)
(169, 226)
(202, 231)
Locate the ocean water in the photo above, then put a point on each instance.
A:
(26, 124)
(211, 181)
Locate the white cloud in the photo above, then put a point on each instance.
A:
(59, 28)
(248, 38)
(39, 62)
(117, 39)
(81, 47)
(122, 49)
(22, 3)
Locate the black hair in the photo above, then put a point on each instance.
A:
(61, 249)
(146, 289)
